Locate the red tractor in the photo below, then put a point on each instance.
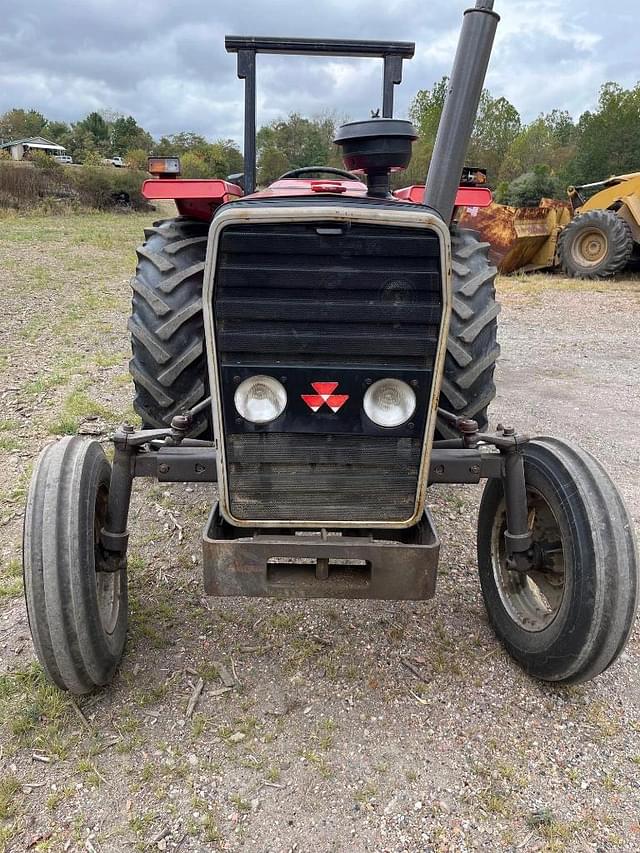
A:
(324, 350)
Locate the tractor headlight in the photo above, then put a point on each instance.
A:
(260, 399)
(389, 402)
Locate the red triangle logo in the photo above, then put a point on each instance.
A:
(337, 401)
(324, 388)
(314, 401)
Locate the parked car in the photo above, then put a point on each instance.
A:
(114, 161)
(65, 159)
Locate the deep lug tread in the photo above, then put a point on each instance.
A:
(159, 306)
(155, 258)
(167, 335)
(168, 376)
(170, 284)
(464, 311)
(458, 352)
(148, 340)
(168, 329)
(173, 248)
(469, 376)
(157, 392)
(477, 281)
(473, 329)
(472, 349)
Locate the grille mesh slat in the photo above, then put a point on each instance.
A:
(276, 488)
(289, 296)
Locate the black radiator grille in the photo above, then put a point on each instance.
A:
(294, 476)
(319, 296)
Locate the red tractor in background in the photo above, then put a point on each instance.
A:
(324, 350)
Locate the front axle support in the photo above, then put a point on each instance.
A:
(168, 456)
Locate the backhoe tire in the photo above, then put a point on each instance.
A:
(472, 347)
(169, 367)
(595, 244)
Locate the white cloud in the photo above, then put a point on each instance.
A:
(165, 63)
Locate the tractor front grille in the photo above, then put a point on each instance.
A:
(294, 476)
(315, 301)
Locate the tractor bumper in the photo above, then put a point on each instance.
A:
(380, 564)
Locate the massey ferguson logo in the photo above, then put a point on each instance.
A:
(324, 394)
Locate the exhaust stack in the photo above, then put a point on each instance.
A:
(459, 113)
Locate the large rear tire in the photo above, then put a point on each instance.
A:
(595, 244)
(472, 347)
(568, 619)
(77, 609)
(169, 367)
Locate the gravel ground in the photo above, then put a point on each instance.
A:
(327, 740)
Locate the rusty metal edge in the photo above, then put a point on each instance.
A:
(398, 564)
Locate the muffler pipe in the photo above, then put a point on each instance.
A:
(460, 108)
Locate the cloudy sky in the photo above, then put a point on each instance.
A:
(164, 62)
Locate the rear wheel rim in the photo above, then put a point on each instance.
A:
(107, 583)
(589, 249)
(531, 599)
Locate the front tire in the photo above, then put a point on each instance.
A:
(595, 244)
(77, 612)
(568, 621)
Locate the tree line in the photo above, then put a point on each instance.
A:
(524, 161)
(106, 134)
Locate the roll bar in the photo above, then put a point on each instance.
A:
(392, 52)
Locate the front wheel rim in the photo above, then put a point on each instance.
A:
(532, 599)
(590, 248)
(108, 583)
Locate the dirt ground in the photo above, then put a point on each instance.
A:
(326, 741)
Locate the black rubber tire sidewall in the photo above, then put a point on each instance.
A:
(468, 385)
(544, 653)
(619, 244)
(59, 568)
(168, 365)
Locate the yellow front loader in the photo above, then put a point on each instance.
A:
(594, 235)
(601, 237)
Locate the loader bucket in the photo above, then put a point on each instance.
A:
(521, 238)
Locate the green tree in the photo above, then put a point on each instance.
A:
(56, 131)
(233, 155)
(294, 142)
(178, 143)
(137, 159)
(199, 158)
(273, 163)
(608, 140)
(526, 190)
(424, 112)
(97, 128)
(20, 124)
(127, 135)
(548, 140)
(497, 125)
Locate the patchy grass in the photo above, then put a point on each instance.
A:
(10, 580)
(76, 408)
(10, 787)
(532, 285)
(34, 713)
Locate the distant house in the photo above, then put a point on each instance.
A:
(19, 147)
